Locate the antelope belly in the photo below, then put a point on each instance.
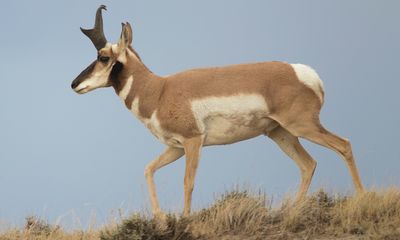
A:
(229, 129)
(230, 119)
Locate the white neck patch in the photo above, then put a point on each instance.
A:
(123, 94)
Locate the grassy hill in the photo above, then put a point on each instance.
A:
(242, 215)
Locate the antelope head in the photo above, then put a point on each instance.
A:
(110, 57)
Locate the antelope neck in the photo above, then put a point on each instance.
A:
(136, 81)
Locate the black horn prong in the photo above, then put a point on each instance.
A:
(99, 18)
(96, 34)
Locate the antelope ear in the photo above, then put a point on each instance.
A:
(126, 37)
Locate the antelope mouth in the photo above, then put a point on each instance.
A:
(82, 90)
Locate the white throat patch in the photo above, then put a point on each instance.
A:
(123, 94)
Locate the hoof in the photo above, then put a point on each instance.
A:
(186, 215)
(160, 216)
(161, 220)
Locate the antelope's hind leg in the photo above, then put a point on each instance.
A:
(292, 147)
(313, 131)
(170, 155)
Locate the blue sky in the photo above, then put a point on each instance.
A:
(62, 153)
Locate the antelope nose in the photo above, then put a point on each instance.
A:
(74, 84)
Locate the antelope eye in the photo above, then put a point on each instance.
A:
(103, 59)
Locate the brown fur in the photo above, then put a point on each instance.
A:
(285, 95)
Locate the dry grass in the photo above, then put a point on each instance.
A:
(242, 215)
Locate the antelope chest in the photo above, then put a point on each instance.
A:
(230, 119)
(153, 124)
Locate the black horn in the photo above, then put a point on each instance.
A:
(96, 35)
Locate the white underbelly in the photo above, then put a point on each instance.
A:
(226, 129)
(230, 119)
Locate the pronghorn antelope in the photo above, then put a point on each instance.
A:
(213, 106)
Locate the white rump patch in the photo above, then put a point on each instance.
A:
(225, 120)
(310, 78)
(126, 89)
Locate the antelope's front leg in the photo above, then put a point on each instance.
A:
(170, 155)
(192, 148)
